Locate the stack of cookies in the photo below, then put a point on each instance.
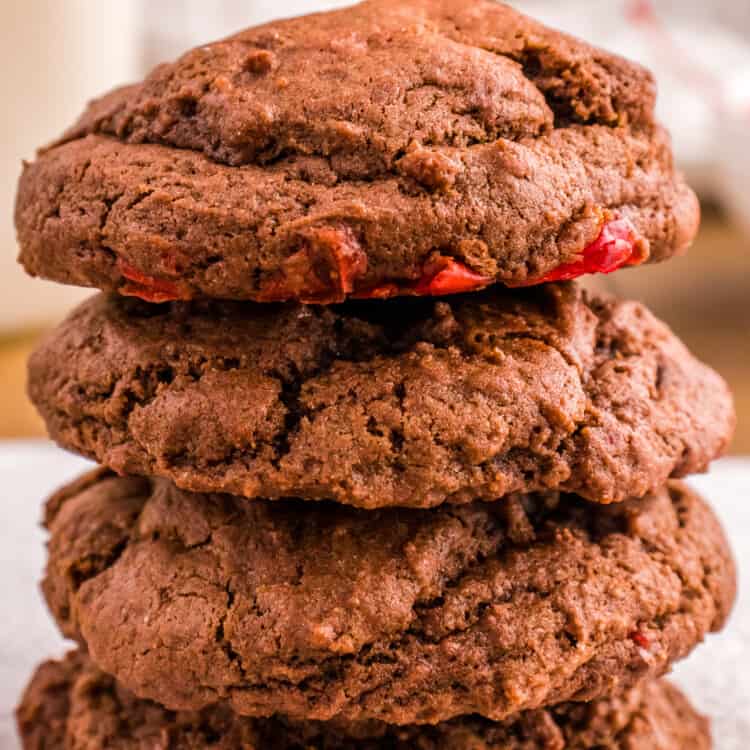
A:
(375, 472)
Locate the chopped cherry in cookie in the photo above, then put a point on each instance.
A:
(444, 275)
(326, 268)
(641, 640)
(149, 288)
(323, 271)
(441, 275)
(616, 246)
(382, 291)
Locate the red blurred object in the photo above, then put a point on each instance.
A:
(640, 11)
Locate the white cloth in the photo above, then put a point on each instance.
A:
(717, 677)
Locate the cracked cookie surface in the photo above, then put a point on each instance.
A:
(69, 704)
(348, 153)
(319, 611)
(402, 402)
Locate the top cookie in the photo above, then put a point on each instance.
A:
(420, 147)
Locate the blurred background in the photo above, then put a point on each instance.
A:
(57, 55)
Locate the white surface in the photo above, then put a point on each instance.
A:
(30, 471)
(717, 677)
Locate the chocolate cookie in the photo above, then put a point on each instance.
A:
(320, 611)
(421, 147)
(401, 402)
(71, 705)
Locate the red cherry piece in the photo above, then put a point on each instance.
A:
(641, 640)
(348, 260)
(383, 291)
(440, 275)
(616, 246)
(149, 288)
(445, 275)
(323, 271)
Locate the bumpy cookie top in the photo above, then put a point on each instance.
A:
(418, 147)
(71, 705)
(363, 84)
(400, 615)
(400, 402)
